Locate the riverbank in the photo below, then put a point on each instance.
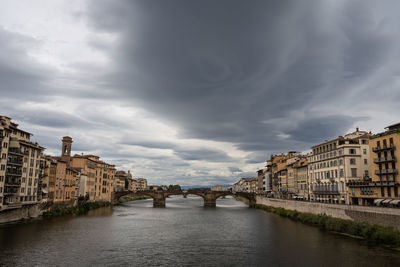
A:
(77, 210)
(132, 198)
(373, 234)
(386, 217)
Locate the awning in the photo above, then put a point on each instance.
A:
(44, 191)
(386, 201)
(378, 201)
(395, 201)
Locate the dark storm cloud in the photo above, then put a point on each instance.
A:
(220, 69)
(19, 74)
(185, 153)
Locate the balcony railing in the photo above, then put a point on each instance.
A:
(13, 172)
(326, 192)
(384, 159)
(10, 190)
(15, 162)
(386, 171)
(378, 148)
(12, 182)
(15, 151)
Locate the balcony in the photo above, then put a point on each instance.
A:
(13, 172)
(386, 171)
(326, 192)
(12, 182)
(10, 191)
(15, 151)
(383, 148)
(15, 161)
(384, 159)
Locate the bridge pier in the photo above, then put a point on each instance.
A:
(159, 202)
(210, 202)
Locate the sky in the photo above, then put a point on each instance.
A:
(197, 92)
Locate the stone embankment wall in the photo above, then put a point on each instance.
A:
(373, 215)
(26, 212)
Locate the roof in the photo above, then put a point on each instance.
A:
(393, 126)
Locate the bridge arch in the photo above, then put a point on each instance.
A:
(209, 197)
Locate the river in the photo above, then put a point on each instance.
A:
(183, 234)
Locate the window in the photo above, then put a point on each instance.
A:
(3, 167)
(364, 141)
(352, 161)
(341, 173)
(353, 172)
(352, 151)
(340, 162)
(365, 151)
(365, 161)
(340, 152)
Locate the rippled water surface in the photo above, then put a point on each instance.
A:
(183, 234)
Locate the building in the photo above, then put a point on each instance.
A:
(300, 173)
(141, 184)
(336, 162)
(220, 188)
(282, 176)
(132, 185)
(261, 180)
(79, 176)
(248, 185)
(122, 181)
(382, 186)
(19, 166)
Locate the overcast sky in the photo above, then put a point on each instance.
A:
(197, 92)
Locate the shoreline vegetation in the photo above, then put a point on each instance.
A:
(130, 198)
(77, 210)
(86, 207)
(372, 234)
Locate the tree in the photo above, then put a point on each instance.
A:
(173, 187)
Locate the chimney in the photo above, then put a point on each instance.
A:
(357, 129)
(66, 149)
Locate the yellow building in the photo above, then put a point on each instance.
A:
(301, 178)
(283, 174)
(382, 187)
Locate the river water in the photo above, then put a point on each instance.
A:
(183, 234)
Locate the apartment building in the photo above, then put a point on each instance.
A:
(282, 172)
(336, 162)
(122, 180)
(141, 184)
(248, 185)
(19, 166)
(300, 173)
(261, 180)
(382, 186)
(132, 185)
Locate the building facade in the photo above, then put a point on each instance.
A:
(19, 166)
(334, 163)
(382, 186)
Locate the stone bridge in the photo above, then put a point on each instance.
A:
(210, 197)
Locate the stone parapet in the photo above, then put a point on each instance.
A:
(373, 215)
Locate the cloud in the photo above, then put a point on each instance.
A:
(199, 92)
